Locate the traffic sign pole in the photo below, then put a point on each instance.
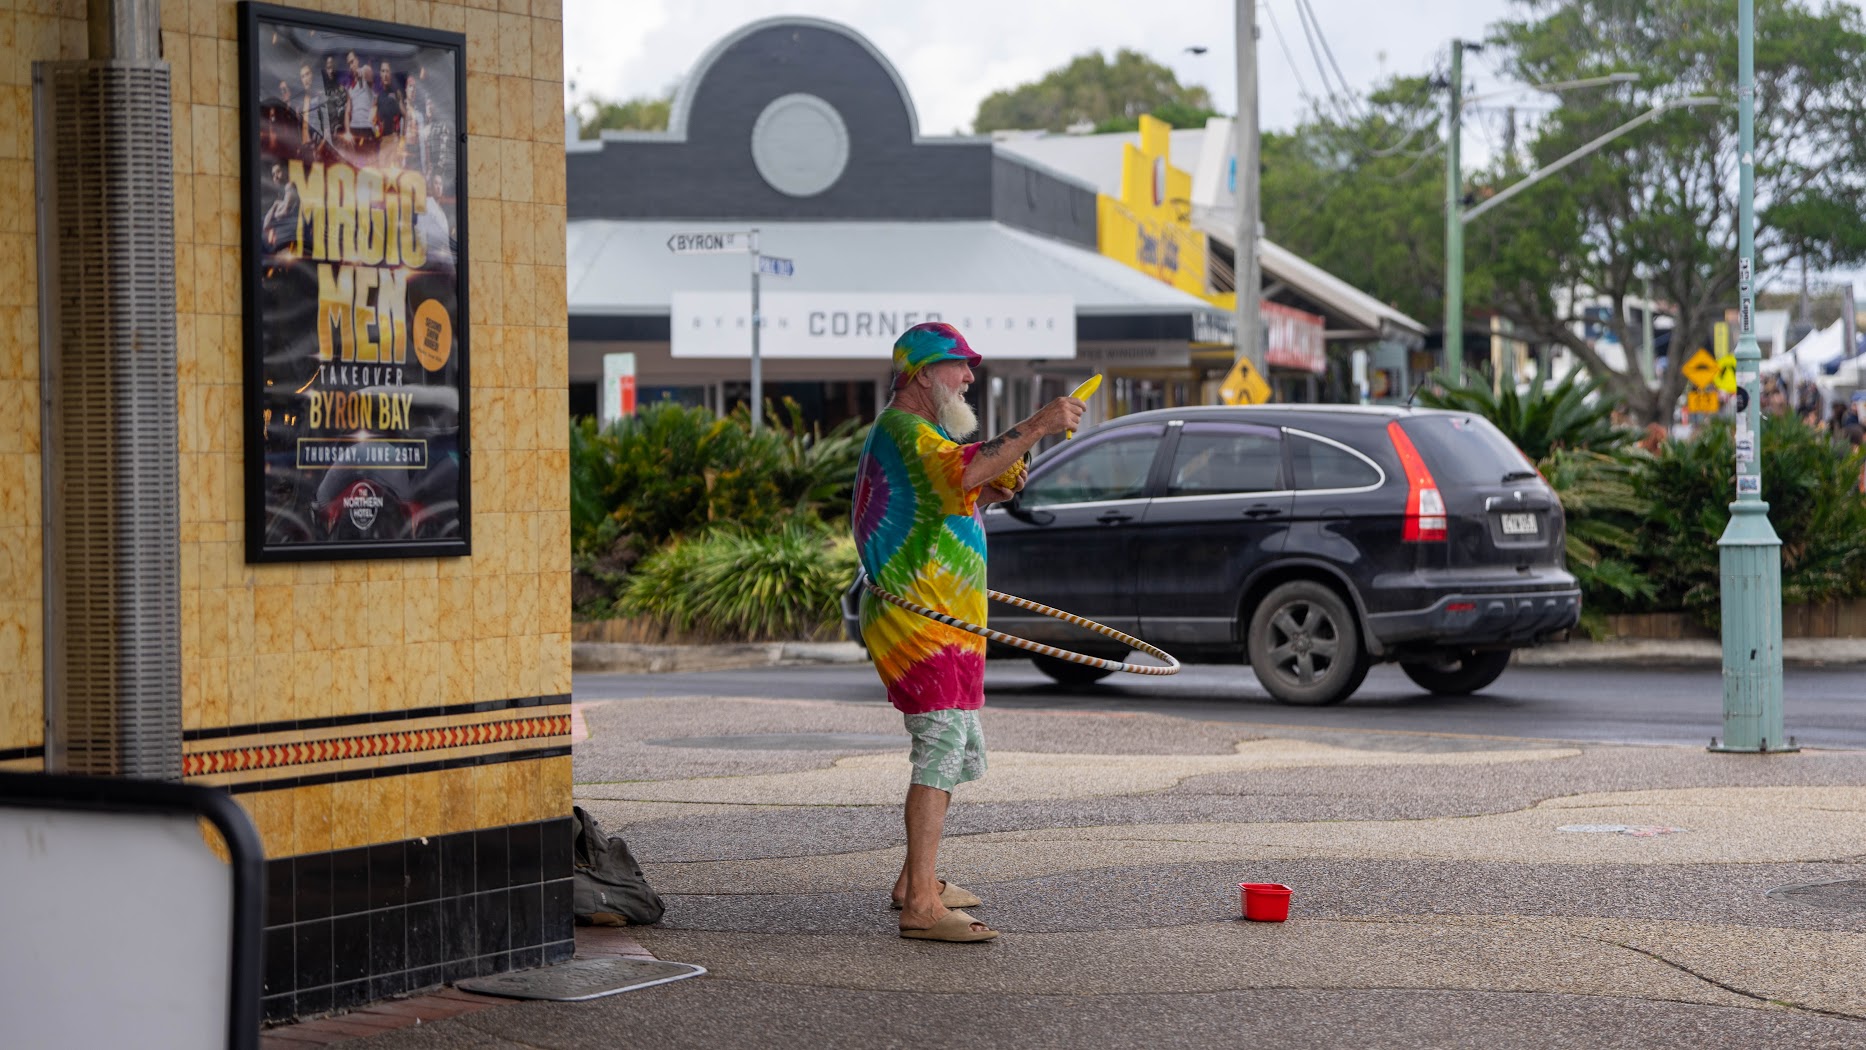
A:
(758, 381)
(1750, 553)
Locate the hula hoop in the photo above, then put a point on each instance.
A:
(1171, 667)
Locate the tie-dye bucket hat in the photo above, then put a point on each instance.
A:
(929, 343)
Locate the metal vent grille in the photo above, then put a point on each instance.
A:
(106, 203)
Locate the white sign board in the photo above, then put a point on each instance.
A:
(710, 242)
(117, 929)
(1214, 174)
(863, 325)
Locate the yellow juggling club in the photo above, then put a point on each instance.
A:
(1083, 393)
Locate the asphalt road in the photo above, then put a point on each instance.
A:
(1823, 707)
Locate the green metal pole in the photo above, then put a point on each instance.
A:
(1454, 225)
(1750, 554)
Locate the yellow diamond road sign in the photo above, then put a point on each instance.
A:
(1726, 373)
(1701, 369)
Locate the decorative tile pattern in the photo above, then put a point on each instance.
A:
(268, 757)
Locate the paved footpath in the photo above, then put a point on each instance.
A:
(1449, 890)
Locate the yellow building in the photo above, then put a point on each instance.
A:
(382, 721)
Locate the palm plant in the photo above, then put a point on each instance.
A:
(1569, 414)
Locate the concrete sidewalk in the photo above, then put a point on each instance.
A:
(1449, 890)
(1691, 652)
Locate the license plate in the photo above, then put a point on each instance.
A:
(1519, 524)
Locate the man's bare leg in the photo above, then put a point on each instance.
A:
(918, 887)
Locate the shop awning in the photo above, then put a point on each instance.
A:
(622, 278)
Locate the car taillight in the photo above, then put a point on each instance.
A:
(1425, 507)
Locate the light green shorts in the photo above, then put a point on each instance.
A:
(949, 748)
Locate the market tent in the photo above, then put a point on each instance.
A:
(1818, 353)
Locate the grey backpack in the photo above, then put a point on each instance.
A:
(609, 888)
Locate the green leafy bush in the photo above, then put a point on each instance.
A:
(1600, 497)
(671, 471)
(737, 584)
(1814, 505)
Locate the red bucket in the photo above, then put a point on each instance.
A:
(1265, 901)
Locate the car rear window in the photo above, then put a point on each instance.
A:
(1465, 449)
(1319, 465)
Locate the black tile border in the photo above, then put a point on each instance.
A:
(16, 754)
(366, 718)
(384, 920)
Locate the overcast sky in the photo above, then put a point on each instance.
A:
(952, 53)
(955, 52)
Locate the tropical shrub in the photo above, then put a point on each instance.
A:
(1569, 414)
(737, 584)
(670, 471)
(1600, 496)
(1814, 505)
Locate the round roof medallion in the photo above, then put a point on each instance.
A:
(800, 145)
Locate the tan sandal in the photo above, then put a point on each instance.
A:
(951, 896)
(954, 927)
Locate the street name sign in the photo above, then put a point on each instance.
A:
(710, 242)
(772, 266)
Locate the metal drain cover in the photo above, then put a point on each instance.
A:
(792, 742)
(581, 979)
(1843, 895)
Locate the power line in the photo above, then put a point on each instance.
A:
(1330, 52)
(1309, 34)
(1276, 27)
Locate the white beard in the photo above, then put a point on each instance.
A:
(957, 417)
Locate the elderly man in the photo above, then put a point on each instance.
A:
(918, 498)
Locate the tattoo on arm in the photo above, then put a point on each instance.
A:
(991, 447)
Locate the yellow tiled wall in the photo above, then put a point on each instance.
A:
(270, 643)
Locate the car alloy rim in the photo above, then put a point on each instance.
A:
(1307, 634)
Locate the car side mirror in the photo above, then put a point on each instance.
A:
(1028, 515)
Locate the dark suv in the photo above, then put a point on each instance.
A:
(1308, 540)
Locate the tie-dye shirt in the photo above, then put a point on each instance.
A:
(919, 535)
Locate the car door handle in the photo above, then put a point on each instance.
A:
(1263, 512)
(1114, 517)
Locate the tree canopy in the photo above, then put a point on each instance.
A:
(1662, 201)
(1111, 96)
(596, 114)
(1363, 198)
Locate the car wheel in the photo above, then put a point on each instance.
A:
(1459, 673)
(1068, 672)
(1305, 645)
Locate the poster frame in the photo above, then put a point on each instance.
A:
(251, 14)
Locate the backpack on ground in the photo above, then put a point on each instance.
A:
(608, 886)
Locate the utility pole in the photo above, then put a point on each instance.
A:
(758, 379)
(1647, 366)
(1750, 554)
(1454, 224)
(1246, 275)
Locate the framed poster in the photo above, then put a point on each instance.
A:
(354, 245)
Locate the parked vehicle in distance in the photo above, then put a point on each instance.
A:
(1310, 541)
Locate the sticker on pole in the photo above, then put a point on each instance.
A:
(1748, 485)
(1745, 448)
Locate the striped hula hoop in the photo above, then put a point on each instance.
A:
(1171, 666)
